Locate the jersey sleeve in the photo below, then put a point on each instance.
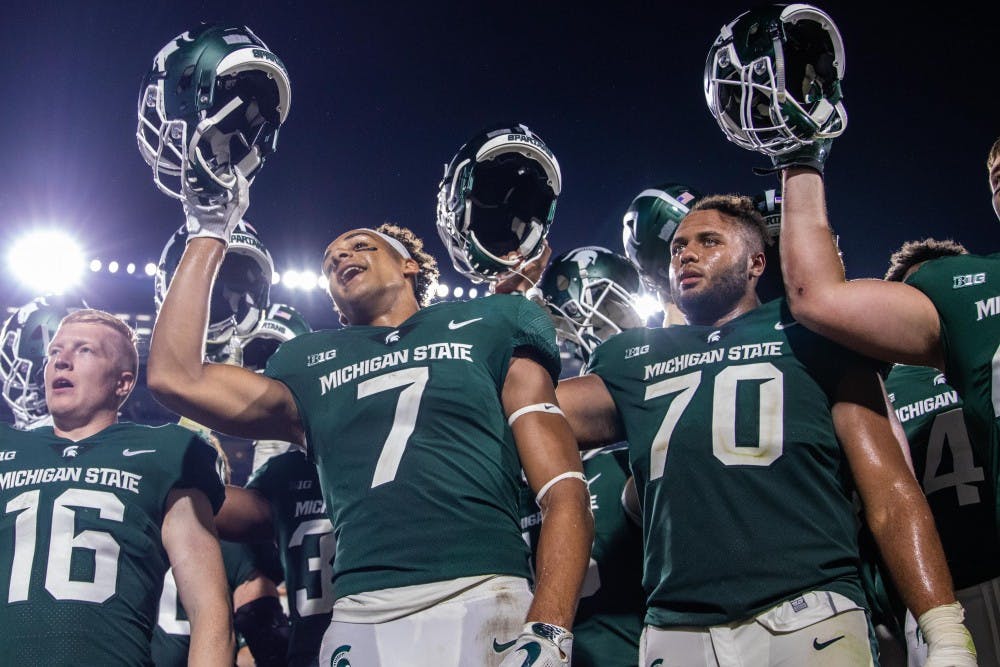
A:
(534, 330)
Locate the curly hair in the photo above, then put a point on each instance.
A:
(916, 252)
(425, 283)
(741, 210)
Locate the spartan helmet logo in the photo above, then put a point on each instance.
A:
(583, 258)
(939, 379)
(71, 451)
(715, 336)
(340, 656)
(393, 337)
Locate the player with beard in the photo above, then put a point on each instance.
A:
(747, 436)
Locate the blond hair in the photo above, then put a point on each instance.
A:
(126, 345)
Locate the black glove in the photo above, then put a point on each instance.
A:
(812, 156)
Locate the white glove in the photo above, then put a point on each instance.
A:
(541, 645)
(216, 218)
(949, 643)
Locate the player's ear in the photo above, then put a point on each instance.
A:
(410, 267)
(124, 385)
(756, 264)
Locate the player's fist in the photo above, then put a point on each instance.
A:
(949, 643)
(541, 645)
(216, 217)
(525, 276)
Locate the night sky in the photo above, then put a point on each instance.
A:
(383, 94)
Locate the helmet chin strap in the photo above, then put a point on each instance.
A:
(229, 180)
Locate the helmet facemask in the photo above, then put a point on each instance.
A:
(772, 79)
(212, 103)
(496, 202)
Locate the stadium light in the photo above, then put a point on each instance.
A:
(322, 283)
(46, 261)
(442, 290)
(130, 269)
(290, 279)
(458, 291)
(150, 269)
(96, 265)
(112, 267)
(307, 280)
(473, 293)
(647, 305)
(275, 278)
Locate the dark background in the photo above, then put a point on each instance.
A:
(384, 93)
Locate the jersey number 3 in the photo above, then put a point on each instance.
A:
(770, 385)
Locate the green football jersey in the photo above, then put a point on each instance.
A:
(612, 604)
(306, 544)
(417, 463)
(172, 634)
(951, 470)
(965, 291)
(81, 557)
(745, 489)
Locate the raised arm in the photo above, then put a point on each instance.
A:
(189, 540)
(551, 462)
(590, 411)
(898, 516)
(225, 398)
(885, 320)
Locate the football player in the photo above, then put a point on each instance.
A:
(742, 428)
(283, 502)
(93, 510)
(589, 293)
(418, 420)
(951, 466)
(250, 574)
(946, 315)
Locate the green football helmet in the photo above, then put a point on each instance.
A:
(773, 79)
(281, 324)
(649, 224)
(213, 102)
(24, 347)
(590, 295)
(241, 292)
(497, 200)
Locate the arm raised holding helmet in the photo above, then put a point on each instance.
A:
(746, 74)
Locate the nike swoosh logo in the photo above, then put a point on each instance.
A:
(532, 650)
(594, 478)
(458, 325)
(136, 452)
(500, 648)
(819, 646)
(780, 326)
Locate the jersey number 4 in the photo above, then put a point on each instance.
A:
(63, 540)
(770, 441)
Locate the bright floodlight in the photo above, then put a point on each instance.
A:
(95, 265)
(647, 305)
(322, 283)
(150, 269)
(458, 291)
(112, 267)
(290, 279)
(275, 278)
(442, 290)
(130, 269)
(47, 261)
(473, 293)
(307, 280)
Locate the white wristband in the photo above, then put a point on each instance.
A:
(551, 408)
(558, 478)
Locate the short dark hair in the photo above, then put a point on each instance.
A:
(425, 283)
(914, 252)
(741, 210)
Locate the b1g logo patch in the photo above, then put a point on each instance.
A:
(967, 280)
